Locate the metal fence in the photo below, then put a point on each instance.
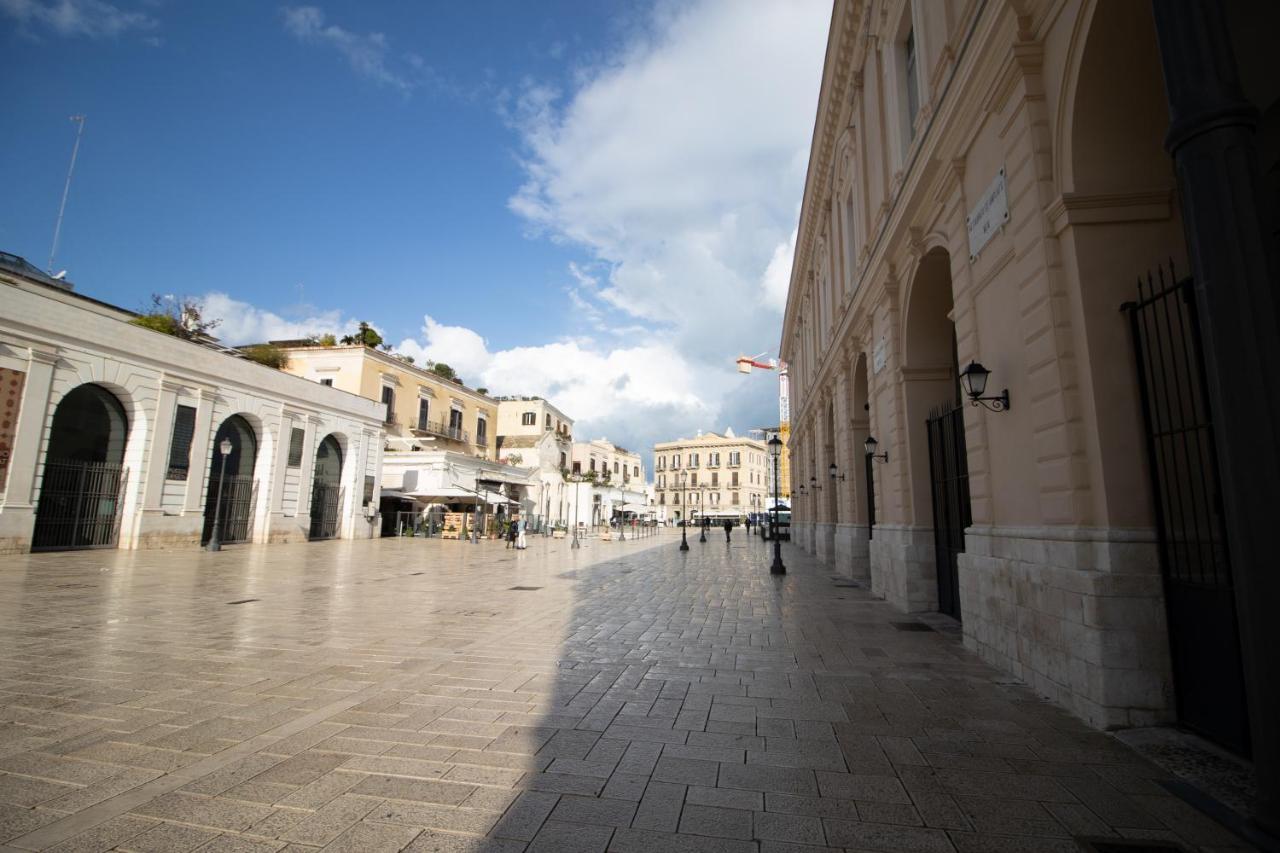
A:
(79, 506)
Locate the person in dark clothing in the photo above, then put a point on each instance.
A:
(728, 528)
(512, 532)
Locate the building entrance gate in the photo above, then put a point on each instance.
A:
(949, 483)
(79, 506)
(1199, 594)
(326, 497)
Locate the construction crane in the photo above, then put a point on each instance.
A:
(745, 365)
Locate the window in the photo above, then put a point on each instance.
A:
(389, 397)
(548, 420)
(735, 458)
(662, 498)
(913, 90)
(693, 460)
(368, 489)
(455, 423)
(635, 470)
(593, 464)
(184, 427)
(733, 498)
(482, 431)
(733, 478)
(529, 419)
(615, 467)
(296, 438)
(715, 498)
(675, 497)
(562, 460)
(675, 461)
(424, 410)
(577, 467)
(328, 380)
(693, 479)
(715, 478)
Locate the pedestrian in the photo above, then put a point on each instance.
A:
(728, 528)
(748, 526)
(521, 524)
(511, 534)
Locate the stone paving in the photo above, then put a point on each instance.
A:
(438, 696)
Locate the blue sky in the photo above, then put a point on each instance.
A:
(590, 201)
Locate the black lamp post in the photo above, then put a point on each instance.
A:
(702, 516)
(576, 479)
(684, 528)
(974, 380)
(215, 538)
(775, 453)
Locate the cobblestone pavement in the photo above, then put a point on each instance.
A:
(439, 696)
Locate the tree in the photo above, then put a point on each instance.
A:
(407, 359)
(366, 335)
(444, 371)
(322, 340)
(482, 390)
(179, 316)
(267, 354)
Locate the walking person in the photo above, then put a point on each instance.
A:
(511, 534)
(728, 528)
(521, 524)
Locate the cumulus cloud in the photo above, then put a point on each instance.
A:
(71, 18)
(368, 54)
(678, 168)
(242, 323)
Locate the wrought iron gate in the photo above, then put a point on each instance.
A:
(326, 499)
(238, 497)
(79, 506)
(949, 483)
(1199, 594)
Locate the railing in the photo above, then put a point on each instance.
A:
(443, 430)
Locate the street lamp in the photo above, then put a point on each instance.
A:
(974, 379)
(775, 453)
(684, 528)
(702, 516)
(576, 479)
(215, 539)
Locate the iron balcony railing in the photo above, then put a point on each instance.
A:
(443, 430)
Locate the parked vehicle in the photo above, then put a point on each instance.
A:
(783, 525)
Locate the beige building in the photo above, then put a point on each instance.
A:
(711, 476)
(607, 460)
(531, 417)
(987, 184)
(423, 411)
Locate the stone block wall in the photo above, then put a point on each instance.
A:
(852, 554)
(902, 568)
(1078, 614)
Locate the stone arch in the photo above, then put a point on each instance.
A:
(327, 479)
(231, 496)
(1122, 219)
(81, 489)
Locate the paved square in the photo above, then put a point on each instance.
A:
(438, 696)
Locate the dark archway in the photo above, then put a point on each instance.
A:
(84, 474)
(237, 491)
(937, 455)
(326, 489)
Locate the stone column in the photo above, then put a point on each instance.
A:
(161, 439)
(19, 493)
(201, 441)
(1211, 139)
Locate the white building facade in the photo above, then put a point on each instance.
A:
(111, 435)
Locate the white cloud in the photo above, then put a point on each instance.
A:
(367, 54)
(242, 323)
(777, 276)
(678, 167)
(69, 18)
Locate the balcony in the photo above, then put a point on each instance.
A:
(442, 430)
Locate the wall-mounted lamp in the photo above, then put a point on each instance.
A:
(974, 381)
(834, 472)
(870, 445)
(813, 485)
(800, 491)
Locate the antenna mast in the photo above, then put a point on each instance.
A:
(66, 190)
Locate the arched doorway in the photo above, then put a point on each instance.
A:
(81, 491)
(237, 490)
(939, 466)
(326, 489)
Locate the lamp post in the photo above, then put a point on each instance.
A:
(775, 453)
(576, 479)
(475, 521)
(684, 528)
(702, 515)
(215, 539)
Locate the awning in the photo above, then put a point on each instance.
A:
(450, 493)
